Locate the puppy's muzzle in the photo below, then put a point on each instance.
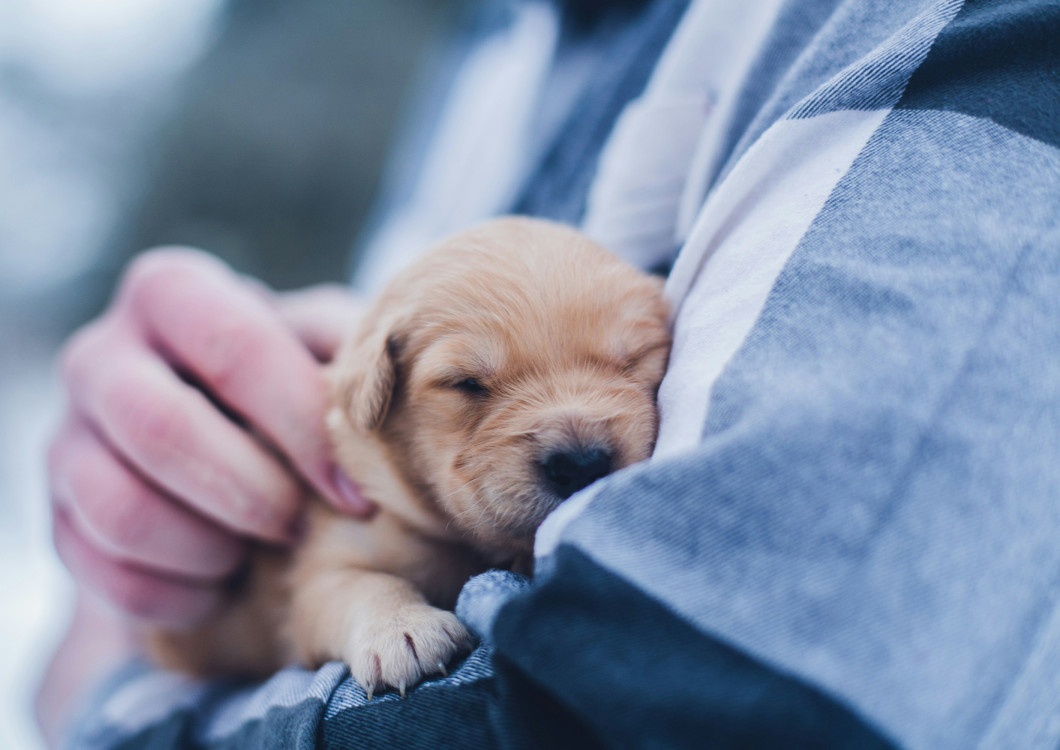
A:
(566, 471)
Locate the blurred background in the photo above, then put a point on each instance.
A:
(252, 128)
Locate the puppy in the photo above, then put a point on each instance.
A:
(512, 366)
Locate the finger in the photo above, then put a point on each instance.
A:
(169, 432)
(128, 519)
(146, 597)
(322, 317)
(235, 344)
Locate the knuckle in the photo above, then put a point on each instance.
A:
(81, 352)
(56, 456)
(164, 261)
(215, 337)
(149, 423)
(58, 470)
(126, 523)
(166, 267)
(228, 346)
(111, 503)
(120, 514)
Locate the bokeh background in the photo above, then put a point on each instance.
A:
(255, 129)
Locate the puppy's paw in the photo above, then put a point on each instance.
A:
(400, 650)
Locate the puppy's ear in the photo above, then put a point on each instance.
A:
(364, 377)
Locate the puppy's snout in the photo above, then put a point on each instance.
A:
(567, 471)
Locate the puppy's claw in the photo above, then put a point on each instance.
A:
(442, 669)
(407, 646)
(369, 692)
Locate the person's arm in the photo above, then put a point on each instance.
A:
(95, 642)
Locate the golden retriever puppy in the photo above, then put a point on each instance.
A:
(509, 368)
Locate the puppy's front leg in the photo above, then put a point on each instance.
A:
(362, 591)
(379, 624)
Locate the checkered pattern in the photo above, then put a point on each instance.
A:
(847, 537)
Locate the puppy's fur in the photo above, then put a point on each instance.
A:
(508, 355)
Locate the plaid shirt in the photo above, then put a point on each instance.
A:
(847, 537)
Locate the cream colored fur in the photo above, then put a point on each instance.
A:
(507, 342)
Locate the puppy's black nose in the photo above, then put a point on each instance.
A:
(568, 471)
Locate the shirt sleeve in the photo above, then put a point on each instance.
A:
(848, 523)
(142, 706)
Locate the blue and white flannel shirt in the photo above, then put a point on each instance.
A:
(850, 534)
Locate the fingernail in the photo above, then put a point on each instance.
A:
(349, 494)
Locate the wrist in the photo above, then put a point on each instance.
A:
(95, 643)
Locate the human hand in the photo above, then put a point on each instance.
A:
(195, 421)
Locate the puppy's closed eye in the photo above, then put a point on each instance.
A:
(471, 386)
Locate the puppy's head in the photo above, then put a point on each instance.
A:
(511, 367)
